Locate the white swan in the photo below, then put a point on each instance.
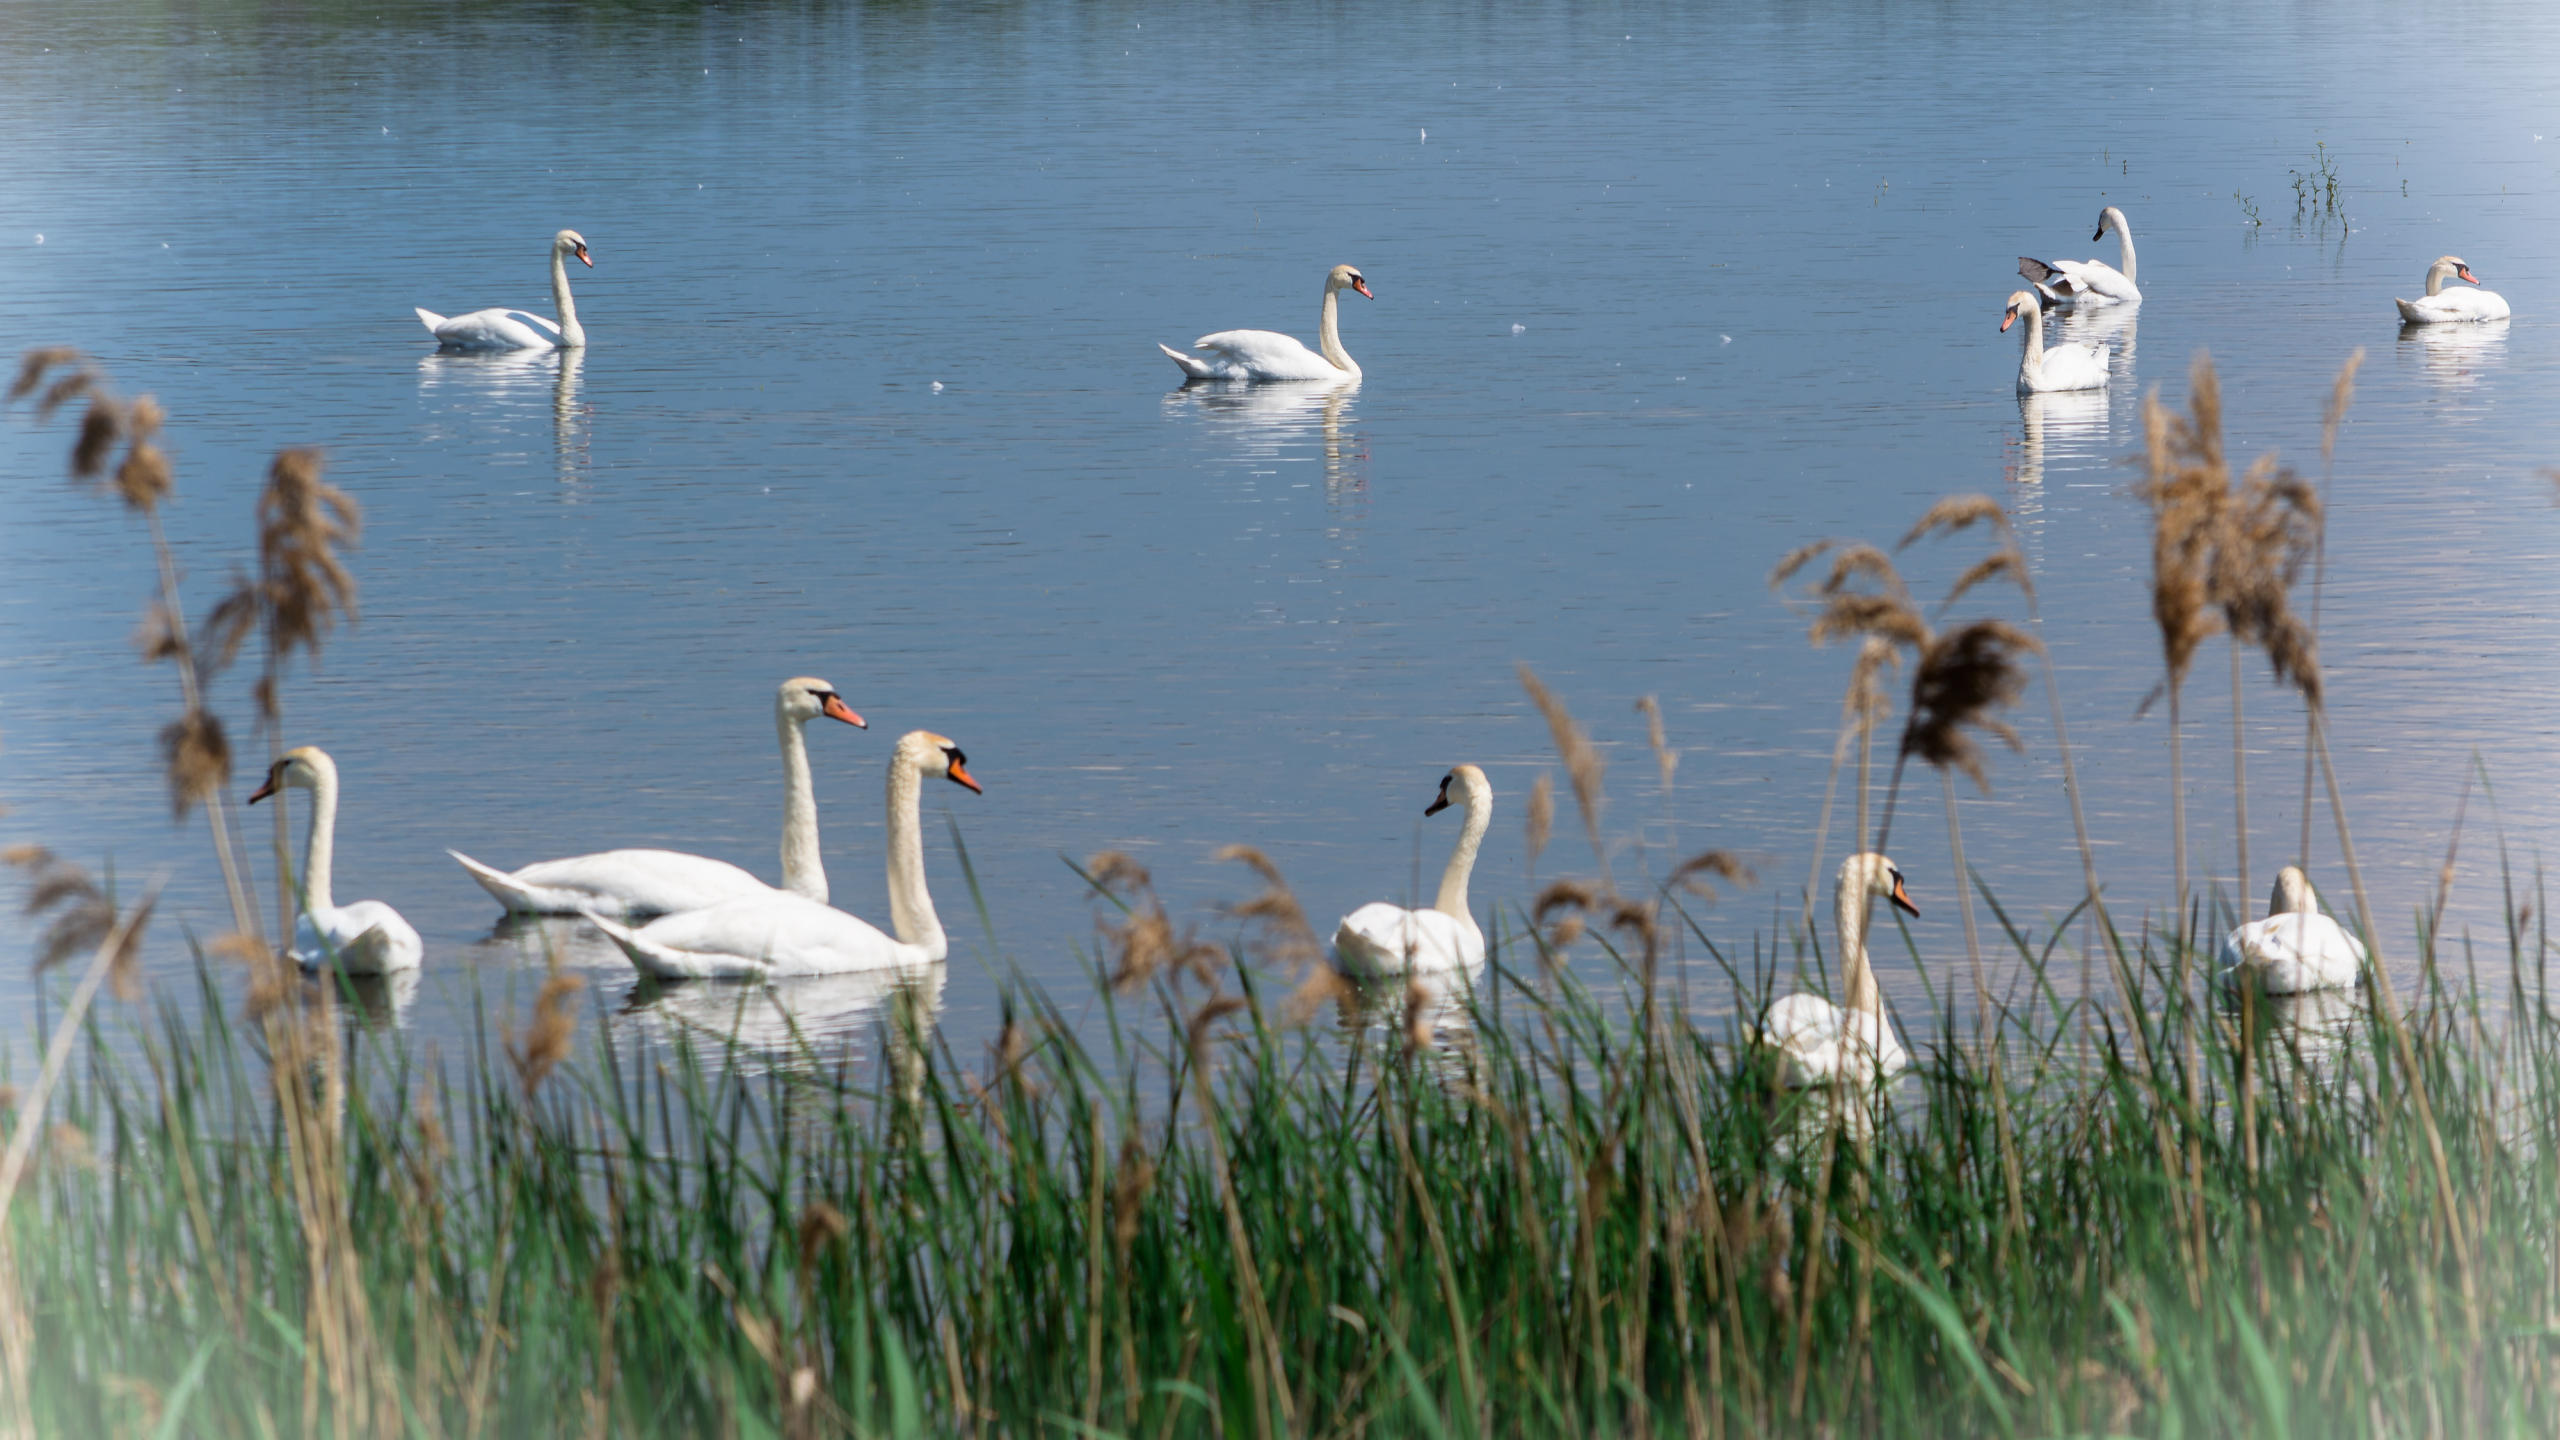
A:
(661, 882)
(2441, 306)
(1819, 1043)
(2296, 948)
(2066, 282)
(777, 934)
(504, 329)
(1385, 939)
(366, 938)
(1269, 355)
(2072, 365)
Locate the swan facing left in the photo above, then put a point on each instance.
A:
(1381, 938)
(776, 934)
(1270, 355)
(503, 329)
(2071, 365)
(365, 938)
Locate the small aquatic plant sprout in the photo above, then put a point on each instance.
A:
(504, 329)
(2440, 306)
(2294, 949)
(365, 938)
(1387, 939)
(1270, 355)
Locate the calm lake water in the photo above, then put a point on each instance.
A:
(872, 393)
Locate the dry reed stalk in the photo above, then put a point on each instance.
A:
(1283, 939)
(1863, 707)
(1539, 819)
(1143, 943)
(1582, 763)
(2342, 396)
(541, 1046)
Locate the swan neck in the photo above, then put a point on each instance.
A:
(1329, 332)
(910, 906)
(2435, 279)
(2030, 357)
(2124, 238)
(804, 870)
(1462, 863)
(320, 843)
(1850, 911)
(572, 335)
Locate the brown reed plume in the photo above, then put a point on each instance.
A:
(85, 916)
(1283, 939)
(539, 1048)
(1538, 820)
(1142, 943)
(2185, 484)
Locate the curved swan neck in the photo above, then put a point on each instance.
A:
(572, 334)
(2030, 359)
(2437, 274)
(1462, 860)
(1849, 908)
(321, 842)
(804, 870)
(2124, 238)
(1329, 332)
(910, 906)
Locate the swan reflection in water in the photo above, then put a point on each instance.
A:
(505, 383)
(1426, 1013)
(1266, 421)
(2114, 326)
(2456, 356)
(799, 1018)
(2064, 431)
(2306, 1034)
(373, 1002)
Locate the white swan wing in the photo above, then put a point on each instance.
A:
(1384, 939)
(617, 882)
(1821, 1042)
(764, 936)
(1255, 355)
(2074, 365)
(365, 938)
(2096, 279)
(2289, 954)
(497, 329)
(2454, 306)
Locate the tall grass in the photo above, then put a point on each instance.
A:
(1551, 1204)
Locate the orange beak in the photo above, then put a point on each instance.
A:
(960, 773)
(583, 260)
(834, 708)
(2008, 320)
(1902, 899)
(1363, 287)
(2465, 272)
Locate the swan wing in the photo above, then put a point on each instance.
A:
(2097, 279)
(765, 936)
(617, 882)
(2454, 305)
(1262, 355)
(1821, 1043)
(365, 938)
(498, 329)
(2076, 365)
(2288, 954)
(1383, 939)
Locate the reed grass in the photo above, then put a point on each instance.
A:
(1175, 1206)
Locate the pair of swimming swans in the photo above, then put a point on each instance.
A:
(2440, 306)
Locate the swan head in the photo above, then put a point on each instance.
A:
(2110, 218)
(302, 768)
(2292, 894)
(1463, 785)
(1346, 277)
(805, 698)
(2022, 302)
(933, 754)
(570, 242)
(1871, 874)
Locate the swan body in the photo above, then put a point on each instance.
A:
(1270, 355)
(631, 883)
(2296, 948)
(2084, 282)
(777, 934)
(2071, 365)
(1819, 1043)
(1385, 939)
(503, 329)
(2440, 306)
(365, 938)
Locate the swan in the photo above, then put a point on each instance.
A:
(2072, 365)
(504, 329)
(1819, 1043)
(1385, 939)
(366, 938)
(2065, 282)
(2440, 305)
(2296, 948)
(660, 882)
(778, 934)
(1269, 355)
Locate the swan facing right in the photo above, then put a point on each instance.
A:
(1270, 355)
(504, 329)
(2440, 306)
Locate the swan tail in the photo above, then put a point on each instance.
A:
(519, 898)
(429, 318)
(666, 962)
(2411, 313)
(2051, 285)
(1197, 369)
